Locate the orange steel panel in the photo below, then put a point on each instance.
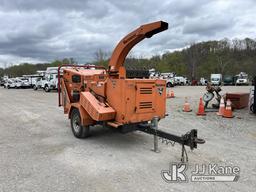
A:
(85, 117)
(97, 110)
(145, 97)
(85, 72)
(134, 101)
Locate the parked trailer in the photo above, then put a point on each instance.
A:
(107, 97)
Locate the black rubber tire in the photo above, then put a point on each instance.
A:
(35, 87)
(251, 108)
(78, 130)
(169, 84)
(47, 88)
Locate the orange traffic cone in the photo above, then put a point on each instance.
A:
(201, 111)
(222, 107)
(228, 110)
(172, 94)
(168, 94)
(186, 107)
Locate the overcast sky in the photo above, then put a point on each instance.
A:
(45, 30)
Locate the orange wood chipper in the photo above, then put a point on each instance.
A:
(94, 95)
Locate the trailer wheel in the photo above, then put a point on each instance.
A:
(78, 130)
(47, 88)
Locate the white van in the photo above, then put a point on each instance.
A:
(216, 79)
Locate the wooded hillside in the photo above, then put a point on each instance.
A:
(228, 57)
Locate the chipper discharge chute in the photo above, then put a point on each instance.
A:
(94, 95)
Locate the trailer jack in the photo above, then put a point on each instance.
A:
(189, 139)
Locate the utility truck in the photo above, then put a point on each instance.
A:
(242, 79)
(9, 83)
(49, 81)
(3, 80)
(170, 82)
(203, 81)
(21, 82)
(169, 77)
(32, 79)
(180, 80)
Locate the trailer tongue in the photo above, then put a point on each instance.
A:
(92, 96)
(189, 139)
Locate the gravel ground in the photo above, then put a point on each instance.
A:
(39, 152)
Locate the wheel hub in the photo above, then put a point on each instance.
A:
(76, 124)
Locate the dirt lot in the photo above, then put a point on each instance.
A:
(39, 152)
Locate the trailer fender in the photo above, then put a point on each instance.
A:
(85, 117)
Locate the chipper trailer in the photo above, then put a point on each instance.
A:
(92, 96)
